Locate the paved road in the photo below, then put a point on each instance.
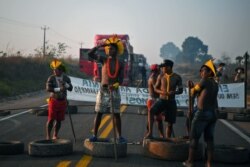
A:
(27, 127)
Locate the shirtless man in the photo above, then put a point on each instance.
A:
(112, 77)
(205, 117)
(168, 84)
(153, 96)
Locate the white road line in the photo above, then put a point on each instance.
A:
(237, 131)
(21, 113)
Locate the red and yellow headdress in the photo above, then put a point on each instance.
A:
(57, 64)
(114, 40)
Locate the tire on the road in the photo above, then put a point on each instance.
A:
(72, 110)
(44, 148)
(175, 149)
(4, 113)
(222, 115)
(104, 149)
(242, 117)
(39, 111)
(230, 154)
(11, 147)
(180, 113)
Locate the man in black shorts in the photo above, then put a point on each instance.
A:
(168, 84)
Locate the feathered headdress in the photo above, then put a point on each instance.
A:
(115, 41)
(56, 64)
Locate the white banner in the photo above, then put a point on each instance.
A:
(230, 95)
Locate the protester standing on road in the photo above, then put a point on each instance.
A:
(205, 117)
(153, 96)
(57, 84)
(112, 77)
(167, 85)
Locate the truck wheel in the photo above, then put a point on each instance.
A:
(11, 147)
(4, 113)
(104, 148)
(230, 154)
(174, 149)
(44, 148)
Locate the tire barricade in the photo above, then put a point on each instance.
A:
(11, 147)
(174, 149)
(241, 117)
(5, 113)
(104, 148)
(222, 114)
(230, 154)
(45, 148)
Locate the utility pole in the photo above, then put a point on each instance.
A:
(246, 56)
(44, 39)
(81, 43)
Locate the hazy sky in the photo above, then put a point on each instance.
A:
(223, 25)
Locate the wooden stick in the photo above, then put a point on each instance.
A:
(113, 121)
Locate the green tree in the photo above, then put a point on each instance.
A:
(52, 51)
(194, 50)
(169, 51)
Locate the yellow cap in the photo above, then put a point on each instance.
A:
(114, 40)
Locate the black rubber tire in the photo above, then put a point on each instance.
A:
(180, 113)
(230, 154)
(5, 113)
(175, 149)
(104, 149)
(39, 111)
(72, 110)
(11, 147)
(45, 148)
(242, 117)
(222, 115)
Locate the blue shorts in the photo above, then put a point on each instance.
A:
(203, 121)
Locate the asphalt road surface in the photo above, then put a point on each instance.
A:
(23, 126)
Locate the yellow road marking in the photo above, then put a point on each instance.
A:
(123, 108)
(104, 120)
(107, 130)
(85, 160)
(64, 164)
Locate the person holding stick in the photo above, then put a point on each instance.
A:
(111, 78)
(204, 119)
(57, 84)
